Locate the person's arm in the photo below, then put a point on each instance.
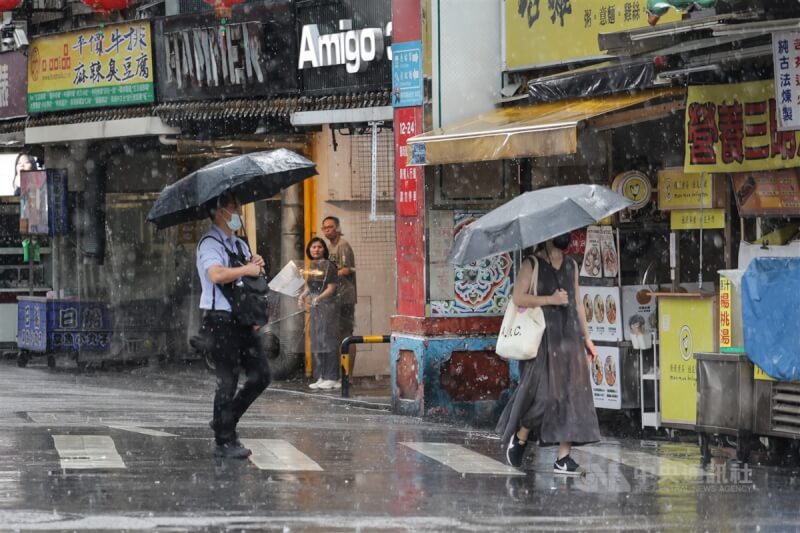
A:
(220, 275)
(587, 340)
(348, 260)
(520, 294)
(302, 298)
(329, 291)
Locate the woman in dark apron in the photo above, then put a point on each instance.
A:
(553, 401)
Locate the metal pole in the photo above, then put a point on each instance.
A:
(291, 330)
(373, 192)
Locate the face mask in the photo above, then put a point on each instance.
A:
(562, 241)
(235, 223)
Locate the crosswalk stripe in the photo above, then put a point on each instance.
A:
(143, 431)
(87, 452)
(648, 463)
(276, 454)
(461, 459)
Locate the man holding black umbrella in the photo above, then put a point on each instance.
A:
(231, 344)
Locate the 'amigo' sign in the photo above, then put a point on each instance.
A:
(355, 49)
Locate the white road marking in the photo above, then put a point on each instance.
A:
(276, 454)
(461, 459)
(87, 452)
(646, 462)
(143, 431)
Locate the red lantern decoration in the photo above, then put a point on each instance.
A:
(222, 8)
(8, 5)
(104, 6)
(223, 4)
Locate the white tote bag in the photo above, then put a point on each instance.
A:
(522, 329)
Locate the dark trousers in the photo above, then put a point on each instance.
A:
(234, 347)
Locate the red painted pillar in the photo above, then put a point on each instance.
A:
(409, 189)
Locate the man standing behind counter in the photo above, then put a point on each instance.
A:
(342, 254)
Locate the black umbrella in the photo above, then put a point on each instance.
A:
(251, 177)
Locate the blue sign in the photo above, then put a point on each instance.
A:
(407, 75)
(418, 154)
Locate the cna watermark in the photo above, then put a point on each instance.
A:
(671, 477)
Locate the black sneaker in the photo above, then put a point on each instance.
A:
(515, 451)
(232, 450)
(235, 435)
(567, 467)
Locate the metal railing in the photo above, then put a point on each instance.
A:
(345, 351)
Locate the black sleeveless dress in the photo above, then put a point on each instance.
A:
(554, 395)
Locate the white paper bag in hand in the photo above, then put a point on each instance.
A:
(288, 281)
(523, 327)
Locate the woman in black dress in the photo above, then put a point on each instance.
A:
(553, 401)
(319, 298)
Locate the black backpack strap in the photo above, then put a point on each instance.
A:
(231, 256)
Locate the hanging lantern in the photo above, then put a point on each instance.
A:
(8, 5)
(222, 8)
(104, 6)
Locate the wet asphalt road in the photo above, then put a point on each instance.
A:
(369, 474)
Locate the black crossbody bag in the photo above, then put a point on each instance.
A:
(247, 296)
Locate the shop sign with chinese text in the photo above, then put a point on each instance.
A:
(407, 74)
(767, 193)
(408, 120)
(686, 219)
(13, 85)
(251, 54)
(679, 190)
(734, 128)
(534, 31)
(95, 67)
(786, 64)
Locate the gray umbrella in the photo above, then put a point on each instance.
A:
(534, 217)
(251, 177)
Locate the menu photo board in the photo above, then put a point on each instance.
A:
(592, 264)
(775, 193)
(605, 378)
(608, 251)
(602, 308)
(94, 67)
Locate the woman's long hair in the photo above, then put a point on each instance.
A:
(325, 253)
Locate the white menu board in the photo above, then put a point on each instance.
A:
(608, 251)
(602, 308)
(592, 264)
(604, 373)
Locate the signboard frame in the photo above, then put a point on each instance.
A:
(104, 66)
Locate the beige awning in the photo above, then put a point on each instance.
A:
(535, 130)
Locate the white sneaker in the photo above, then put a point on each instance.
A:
(316, 384)
(328, 384)
(337, 384)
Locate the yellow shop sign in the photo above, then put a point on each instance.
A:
(94, 67)
(686, 219)
(535, 31)
(679, 190)
(733, 128)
